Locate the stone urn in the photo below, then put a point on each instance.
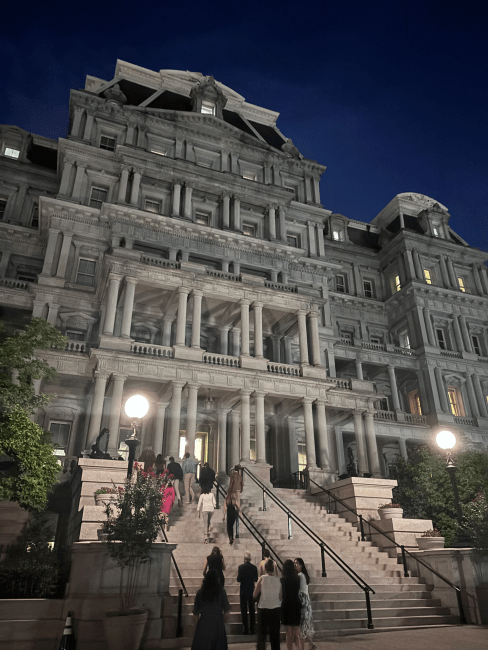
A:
(390, 513)
(430, 543)
(102, 499)
(124, 632)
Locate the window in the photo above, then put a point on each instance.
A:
(12, 153)
(293, 240)
(397, 283)
(476, 345)
(441, 340)
(152, 206)
(250, 176)
(60, 434)
(3, 207)
(368, 288)
(86, 273)
(98, 196)
(75, 335)
(341, 284)
(414, 402)
(384, 404)
(302, 457)
(208, 108)
(455, 401)
(159, 152)
(375, 339)
(26, 276)
(404, 340)
(107, 143)
(249, 229)
(34, 222)
(435, 231)
(462, 285)
(346, 337)
(427, 276)
(202, 218)
(337, 234)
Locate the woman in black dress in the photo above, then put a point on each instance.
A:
(215, 562)
(211, 604)
(290, 605)
(231, 511)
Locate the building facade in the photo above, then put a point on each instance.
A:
(178, 239)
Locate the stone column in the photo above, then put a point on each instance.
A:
(288, 354)
(359, 368)
(457, 334)
(471, 396)
(97, 408)
(302, 333)
(341, 459)
(258, 329)
(173, 447)
(88, 125)
(66, 177)
(417, 265)
(222, 453)
(403, 448)
(235, 341)
(444, 274)
(393, 388)
(130, 288)
(464, 331)
(245, 327)
(312, 245)
(197, 318)
(167, 325)
(158, 438)
(225, 210)
(313, 317)
(479, 395)
(309, 432)
(410, 269)
(331, 360)
(111, 305)
(79, 178)
(320, 239)
(75, 127)
(63, 256)
(282, 220)
(237, 213)
(136, 183)
(360, 443)
(124, 179)
(484, 279)
(477, 279)
(224, 339)
(428, 326)
(272, 222)
(116, 408)
(38, 309)
(441, 388)
(181, 322)
(191, 418)
(175, 211)
(52, 314)
(260, 427)
(187, 202)
(276, 348)
(234, 438)
(324, 449)
(452, 273)
(245, 425)
(52, 242)
(374, 460)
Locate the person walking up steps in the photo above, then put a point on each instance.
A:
(269, 592)
(215, 562)
(290, 605)
(247, 575)
(205, 508)
(175, 469)
(211, 603)
(306, 631)
(231, 511)
(189, 470)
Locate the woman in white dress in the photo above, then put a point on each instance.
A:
(306, 631)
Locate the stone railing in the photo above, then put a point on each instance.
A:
(451, 354)
(467, 422)
(373, 346)
(223, 275)
(145, 349)
(221, 360)
(385, 416)
(157, 261)
(346, 342)
(343, 383)
(13, 284)
(407, 352)
(483, 359)
(413, 418)
(281, 287)
(283, 369)
(77, 346)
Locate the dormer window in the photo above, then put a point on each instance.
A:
(427, 276)
(249, 229)
(11, 153)
(435, 231)
(397, 283)
(337, 234)
(107, 143)
(208, 108)
(462, 285)
(250, 176)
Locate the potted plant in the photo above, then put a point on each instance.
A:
(134, 519)
(431, 539)
(390, 511)
(105, 494)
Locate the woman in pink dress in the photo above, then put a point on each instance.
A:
(168, 500)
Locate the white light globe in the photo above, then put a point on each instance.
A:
(445, 439)
(136, 406)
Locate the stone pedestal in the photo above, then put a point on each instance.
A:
(320, 476)
(108, 342)
(315, 372)
(251, 363)
(188, 354)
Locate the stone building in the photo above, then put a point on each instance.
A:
(179, 241)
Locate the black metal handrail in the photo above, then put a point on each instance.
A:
(175, 563)
(301, 480)
(324, 547)
(258, 536)
(462, 616)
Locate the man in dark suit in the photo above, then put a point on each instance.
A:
(247, 575)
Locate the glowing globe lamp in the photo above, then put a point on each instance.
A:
(445, 439)
(136, 406)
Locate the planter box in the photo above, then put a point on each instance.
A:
(390, 513)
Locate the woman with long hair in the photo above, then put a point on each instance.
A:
(290, 604)
(215, 562)
(306, 631)
(269, 592)
(231, 511)
(211, 603)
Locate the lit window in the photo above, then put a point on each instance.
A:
(293, 240)
(249, 229)
(414, 401)
(159, 152)
(250, 176)
(202, 218)
(337, 235)
(427, 276)
(60, 433)
(107, 143)
(404, 340)
(462, 286)
(35, 217)
(86, 273)
(341, 284)
(441, 340)
(435, 231)
(398, 284)
(368, 289)
(151, 206)
(75, 335)
(302, 457)
(208, 108)
(12, 153)
(455, 402)
(98, 196)
(3, 207)
(476, 345)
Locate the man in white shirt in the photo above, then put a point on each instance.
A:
(189, 470)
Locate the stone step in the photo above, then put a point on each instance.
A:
(405, 621)
(376, 604)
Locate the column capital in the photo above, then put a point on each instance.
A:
(225, 195)
(161, 406)
(130, 280)
(244, 301)
(321, 402)
(190, 185)
(169, 319)
(313, 313)
(119, 376)
(358, 412)
(136, 170)
(184, 290)
(307, 400)
(193, 385)
(257, 305)
(246, 392)
(259, 393)
(178, 383)
(115, 276)
(177, 181)
(222, 411)
(81, 165)
(302, 312)
(225, 327)
(101, 374)
(197, 293)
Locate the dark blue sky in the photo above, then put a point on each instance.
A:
(391, 96)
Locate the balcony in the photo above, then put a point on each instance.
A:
(377, 347)
(159, 351)
(466, 422)
(394, 416)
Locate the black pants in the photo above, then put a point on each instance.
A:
(269, 623)
(230, 529)
(247, 605)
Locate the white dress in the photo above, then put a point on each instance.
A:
(306, 615)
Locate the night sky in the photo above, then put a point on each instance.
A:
(390, 96)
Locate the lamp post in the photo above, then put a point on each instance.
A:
(136, 408)
(446, 440)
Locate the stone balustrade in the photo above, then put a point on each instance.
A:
(386, 416)
(451, 354)
(162, 351)
(223, 275)
(157, 261)
(281, 287)
(221, 360)
(14, 284)
(467, 422)
(373, 346)
(413, 418)
(406, 352)
(283, 369)
(77, 346)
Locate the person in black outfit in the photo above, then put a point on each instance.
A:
(291, 606)
(175, 469)
(231, 511)
(247, 575)
(207, 477)
(215, 562)
(211, 603)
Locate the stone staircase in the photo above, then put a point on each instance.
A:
(338, 603)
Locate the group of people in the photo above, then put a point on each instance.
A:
(207, 505)
(280, 601)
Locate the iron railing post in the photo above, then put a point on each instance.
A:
(237, 528)
(322, 554)
(404, 560)
(462, 616)
(289, 527)
(263, 548)
(362, 527)
(368, 609)
(264, 500)
(217, 505)
(179, 620)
